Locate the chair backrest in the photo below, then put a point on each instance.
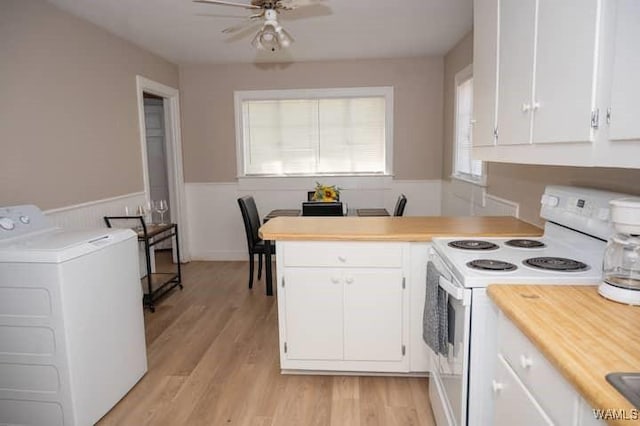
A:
(321, 208)
(251, 220)
(400, 205)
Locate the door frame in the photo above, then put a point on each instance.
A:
(173, 146)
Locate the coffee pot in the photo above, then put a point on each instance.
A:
(621, 267)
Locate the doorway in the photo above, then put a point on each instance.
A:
(157, 158)
(161, 149)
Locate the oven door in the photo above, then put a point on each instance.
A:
(451, 371)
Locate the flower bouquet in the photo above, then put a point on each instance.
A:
(326, 193)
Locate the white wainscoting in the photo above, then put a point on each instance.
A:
(90, 215)
(461, 198)
(215, 227)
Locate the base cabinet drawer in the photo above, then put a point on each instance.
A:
(344, 254)
(513, 401)
(520, 361)
(555, 394)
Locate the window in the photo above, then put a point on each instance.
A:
(464, 166)
(314, 132)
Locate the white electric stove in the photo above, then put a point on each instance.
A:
(570, 252)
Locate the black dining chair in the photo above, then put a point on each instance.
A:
(255, 244)
(400, 205)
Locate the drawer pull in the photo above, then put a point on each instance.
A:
(497, 386)
(342, 259)
(335, 280)
(526, 361)
(349, 280)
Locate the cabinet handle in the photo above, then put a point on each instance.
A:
(342, 259)
(526, 107)
(497, 386)
(335, 280)
(349, 280)
(526, 361)
(536, 105)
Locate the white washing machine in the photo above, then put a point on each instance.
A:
(72, 338)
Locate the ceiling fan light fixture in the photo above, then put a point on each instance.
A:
(284, 38)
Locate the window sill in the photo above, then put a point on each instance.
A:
(482, 182)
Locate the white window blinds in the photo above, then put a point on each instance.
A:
(334, 135)
(465, 165)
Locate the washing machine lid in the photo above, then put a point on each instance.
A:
(60, 245)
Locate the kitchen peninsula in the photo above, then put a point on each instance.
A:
(351, 289)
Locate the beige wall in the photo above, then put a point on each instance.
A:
(68, 113)
(208, 112)
(460, 56)
(525, 184)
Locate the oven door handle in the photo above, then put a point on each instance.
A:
(454, 291)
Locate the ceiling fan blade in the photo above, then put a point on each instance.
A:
(241, 26)
(296, 4)
(228, 3)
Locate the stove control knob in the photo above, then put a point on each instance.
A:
(6, 224)
(603, 214)
(25, 219)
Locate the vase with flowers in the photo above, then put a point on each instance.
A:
(326, 193)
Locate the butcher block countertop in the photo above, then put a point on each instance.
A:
(393, 228)
(584, 335)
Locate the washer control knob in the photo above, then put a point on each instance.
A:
(25, 219)
(550, 200)
(6, 224)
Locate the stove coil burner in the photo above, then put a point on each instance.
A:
(524, 243)
(491, 265)
(473, 245)
(559, 264)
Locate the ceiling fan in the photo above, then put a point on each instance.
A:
(271, 36)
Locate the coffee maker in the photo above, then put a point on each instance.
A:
(621, 267)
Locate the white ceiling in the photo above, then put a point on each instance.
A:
(186, 32)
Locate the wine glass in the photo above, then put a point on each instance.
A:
(161, 207)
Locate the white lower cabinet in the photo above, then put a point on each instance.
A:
(343, 318)
(513, 401)
(528, 388)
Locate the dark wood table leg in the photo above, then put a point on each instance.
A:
(267, 261)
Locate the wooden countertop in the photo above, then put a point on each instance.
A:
(584, 335)
(393, 228)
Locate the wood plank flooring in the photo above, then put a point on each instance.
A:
(213, 360)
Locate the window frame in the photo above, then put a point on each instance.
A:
(285, 94)
(461, 77)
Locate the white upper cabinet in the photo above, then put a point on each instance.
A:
(567, 82)
(548, 61)
(485, 71)
(565, 71)
(515, 84)
(625, 96)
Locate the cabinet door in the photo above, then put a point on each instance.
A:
(513, 401)
(625, 96)
(314, 307)
(373, 315)
(516, 59)
(485, 70)
(565, 77)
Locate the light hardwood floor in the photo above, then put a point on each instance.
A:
(213, 360)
